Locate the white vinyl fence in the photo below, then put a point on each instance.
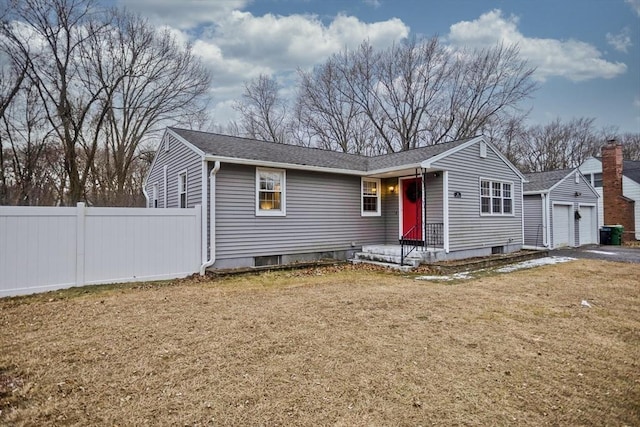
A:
(47, 248)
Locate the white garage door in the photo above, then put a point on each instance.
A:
(561, 215)
(588, 227)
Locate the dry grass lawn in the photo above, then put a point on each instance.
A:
(333, 346)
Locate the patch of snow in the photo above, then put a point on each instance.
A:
(506, 269)
(601, 252)
(550, 260)
(585, 303)
(457, 276)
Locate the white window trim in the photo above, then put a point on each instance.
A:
(491, 181)
(186, 188)
(166, 144)
(483, 150)
(378, 211)
(283, 207)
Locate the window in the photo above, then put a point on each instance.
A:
(597, 180)
(496, 197)
(182, 189)
(370, 197)
(155, 195)
(270, 192)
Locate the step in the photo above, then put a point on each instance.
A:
(386, 258)
(405, 268)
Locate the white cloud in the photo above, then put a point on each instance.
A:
(373, 3)
(621, 41)
(572, 59)
(238, 46)
(183, 14)
(635, 5)
(287, 42)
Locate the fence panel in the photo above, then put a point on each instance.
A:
(46, 248)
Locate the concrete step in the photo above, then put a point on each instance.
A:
(395, 266)
(386, 258)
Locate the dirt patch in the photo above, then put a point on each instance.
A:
(336, 345)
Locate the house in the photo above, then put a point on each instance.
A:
(269, 203)
(560, 209)
(619, 188)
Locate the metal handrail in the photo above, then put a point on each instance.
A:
(405, 247)
(434, 236)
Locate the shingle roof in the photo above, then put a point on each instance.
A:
(631, 169)
(250, 149)
(541, 181)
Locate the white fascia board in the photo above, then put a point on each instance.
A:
(282, 165)
(533, 193)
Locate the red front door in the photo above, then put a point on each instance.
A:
(412, 209)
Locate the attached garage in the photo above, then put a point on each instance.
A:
(588, 224)
(560, 210)
(561, 224)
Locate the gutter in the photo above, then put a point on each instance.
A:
(212, 214)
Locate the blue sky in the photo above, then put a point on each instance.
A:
(587, 52)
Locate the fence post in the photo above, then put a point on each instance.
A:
(80, 240)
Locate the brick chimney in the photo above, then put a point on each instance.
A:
(617, 208)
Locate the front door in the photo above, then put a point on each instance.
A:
(412, 208)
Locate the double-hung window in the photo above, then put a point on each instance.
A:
(370, 189)
(270, 192)
(182, 189)
(496, 197)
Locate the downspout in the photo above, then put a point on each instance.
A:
(445, 208)
(212, 215)
(546, 220)
(146, 196)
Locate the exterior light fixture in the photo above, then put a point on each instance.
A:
(392, 189)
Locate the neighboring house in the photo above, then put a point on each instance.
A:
(630, 177)
(269, 203)
(560, 209)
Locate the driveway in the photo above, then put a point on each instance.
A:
(604, 252)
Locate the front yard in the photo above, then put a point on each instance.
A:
(332, 346)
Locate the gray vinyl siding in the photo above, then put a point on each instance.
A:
(434, 184)
(322, 214)
(533, 225)
(390, 212)
(565, 192)
(178, 159)
(156, 176)
(467, 228)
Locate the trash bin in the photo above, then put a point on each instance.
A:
(616, 234)
(605, 235)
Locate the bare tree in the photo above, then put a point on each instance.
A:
(485, 88)
(326, 114)
(414, 94)
(558, 144)
(262, 111)
(52, 39)
(155, 82)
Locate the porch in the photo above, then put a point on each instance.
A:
(393, 254)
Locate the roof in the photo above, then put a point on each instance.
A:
(226, 146)
(543, 181)
(630, 169)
